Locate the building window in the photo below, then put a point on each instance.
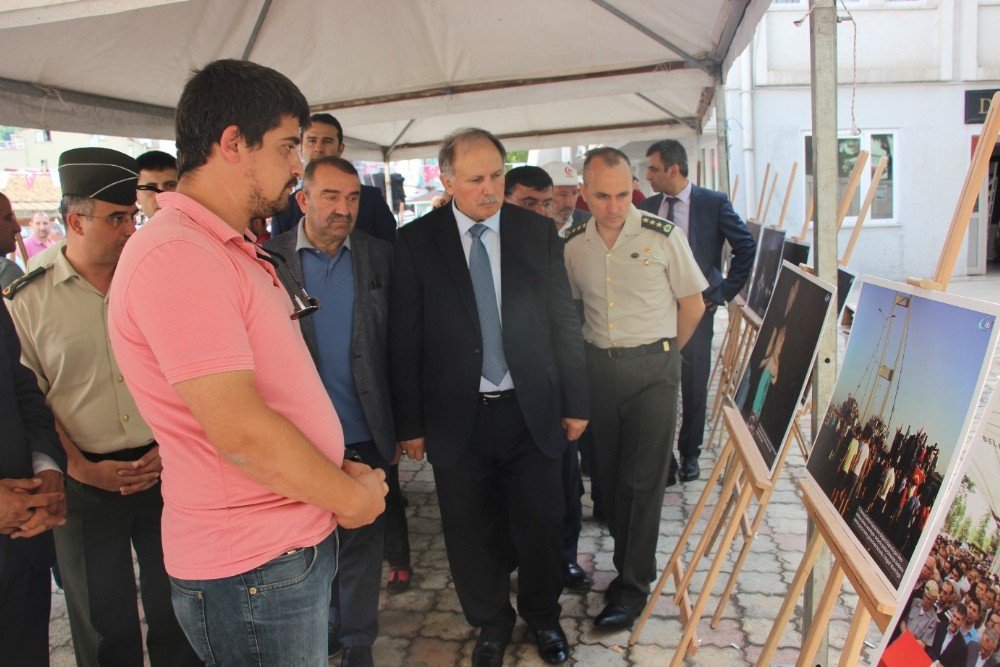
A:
(878, 144)
(43, 136)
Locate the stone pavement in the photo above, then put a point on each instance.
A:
(425, 626)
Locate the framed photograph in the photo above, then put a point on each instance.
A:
(782, 358)
(754, 228)
(766, 272)
(894, 432)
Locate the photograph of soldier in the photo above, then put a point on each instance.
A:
(782, 357)
(766, 271)
(884, 450)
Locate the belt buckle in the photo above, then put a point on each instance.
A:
(614, 353)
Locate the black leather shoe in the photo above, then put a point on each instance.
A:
(357, 656)
(575, 579)
(553, 646)
(671, 479)
(615, 617)
(488, 652)
(690, 470)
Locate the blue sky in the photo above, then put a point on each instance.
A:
(945, 350)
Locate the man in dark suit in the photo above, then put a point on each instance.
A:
(324, 136)
(949, 646)
(709, 220)
(348, 271)
(31, 502)
(982, 653)
(488, 375)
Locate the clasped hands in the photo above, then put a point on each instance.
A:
(31, 506)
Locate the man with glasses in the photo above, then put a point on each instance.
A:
(157, 173)
(112, 496)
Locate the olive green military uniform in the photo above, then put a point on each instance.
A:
(630, 294)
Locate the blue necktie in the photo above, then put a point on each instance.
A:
(670, 207)
(494, 363)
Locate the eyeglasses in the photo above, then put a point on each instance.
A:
(116, 220)
(301, 301)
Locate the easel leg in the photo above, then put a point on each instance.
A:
(738, 566)
(811, 644)
(813, 549)
(855, 637)
(673, 565)
(717, 517)
(706, 590)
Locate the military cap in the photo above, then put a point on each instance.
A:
(99, 173)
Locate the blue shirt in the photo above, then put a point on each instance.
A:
(331, 280)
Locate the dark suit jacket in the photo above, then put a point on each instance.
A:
(372, 261)
(435, 343)
(954, 655)
(26, 426)
(711, 222)
(973, 655)
(374, 216)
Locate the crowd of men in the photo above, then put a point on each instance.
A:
(235, 412)
(954, 611)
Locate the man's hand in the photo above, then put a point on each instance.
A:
(574, 428)
(142, 474)
(355, 469)
(49, 517)
(414, 448)
(20, 499)
(373, 491)
(113, 476)
(710, 306)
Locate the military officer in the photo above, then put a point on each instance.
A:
(641, 291)
(113, 500)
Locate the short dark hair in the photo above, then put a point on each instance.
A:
(156, 161)
(535, 178)
(606, 154)
(338, 163)
(670, 151)
(228, 92)
(326, 119)
(446, 156)
(961, 609)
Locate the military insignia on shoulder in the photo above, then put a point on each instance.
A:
(576, 230)
(19, 283)
(657, 224)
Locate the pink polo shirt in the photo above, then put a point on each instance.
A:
(190, 299)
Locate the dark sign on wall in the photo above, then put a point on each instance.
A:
(977, 103)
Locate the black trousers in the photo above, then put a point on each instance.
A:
(397, 532)
(25, 599)
(633, 414)
(573, 489)
(356, 587)
(503, 494)
(94, 550)
(697, 357)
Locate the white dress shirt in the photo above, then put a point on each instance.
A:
(682, 209)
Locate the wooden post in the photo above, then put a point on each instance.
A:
(852, 187)
(863, 213)
(966, 201)
(763, 189)
(736, 188)
(770, 194)
(788, 196)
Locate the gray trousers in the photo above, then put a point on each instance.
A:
(94, 550)
(633, 417)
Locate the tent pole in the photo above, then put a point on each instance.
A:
(823, 52)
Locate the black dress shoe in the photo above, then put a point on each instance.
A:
(357, 656)
(690, 470)
(671, 479)
(553, 646)
(615, 617)
(488, 652)
(575, 578)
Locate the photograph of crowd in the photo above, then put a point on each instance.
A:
(899, 414)
(957, 593)
(766, 271)
(782, 358)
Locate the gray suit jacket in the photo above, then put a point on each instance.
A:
(973, 655)
(372, 260)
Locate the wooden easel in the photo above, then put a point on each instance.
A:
(845, 201)
(745, 476)
(788, 196)
(770, 195)
(763, 189)
(734, 365)
(863, 213)
(877, 601)
(736, 188)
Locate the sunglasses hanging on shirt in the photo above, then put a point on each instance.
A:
(301, 301)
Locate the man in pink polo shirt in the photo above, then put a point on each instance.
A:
(41, 234)
(254, 481)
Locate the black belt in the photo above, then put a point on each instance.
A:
(133, 454)
(492, 397)
(659, 347)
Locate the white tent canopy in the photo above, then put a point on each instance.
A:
(399, 74)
